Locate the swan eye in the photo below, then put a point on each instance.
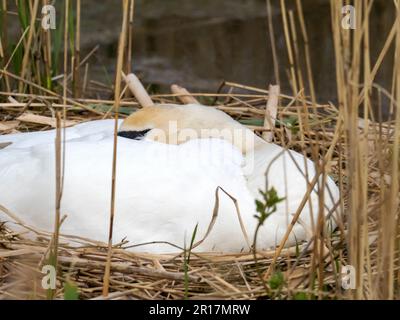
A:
(133, 135)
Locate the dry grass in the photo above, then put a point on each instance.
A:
(361, 154)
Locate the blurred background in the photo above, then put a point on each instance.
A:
(199, 43)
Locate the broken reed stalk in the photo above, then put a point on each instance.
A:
(271, 112)
(118, 79)
(138, 90)
(184, 95)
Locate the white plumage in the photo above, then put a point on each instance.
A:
(163, 190)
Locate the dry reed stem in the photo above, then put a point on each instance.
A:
(183, 95)
(117, 94)
(271, 112)
(27, 53)
(138, 90)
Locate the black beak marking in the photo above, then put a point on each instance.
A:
(133, 135)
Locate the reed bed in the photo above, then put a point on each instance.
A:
(348, 141)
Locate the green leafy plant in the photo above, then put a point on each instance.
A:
(71, 291)
(267, 205)
(292, 123)
(276, 281)
(300, 296)
(265, 208)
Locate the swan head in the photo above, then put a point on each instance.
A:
(177, 124)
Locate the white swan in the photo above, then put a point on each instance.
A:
(171, 160)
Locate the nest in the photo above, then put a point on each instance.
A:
(296, 273)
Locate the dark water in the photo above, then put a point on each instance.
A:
(199, 43)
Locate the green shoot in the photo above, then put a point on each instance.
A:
(267, 206)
